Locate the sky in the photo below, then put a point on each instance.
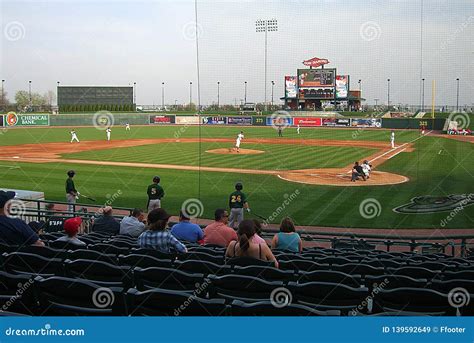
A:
(149, 42)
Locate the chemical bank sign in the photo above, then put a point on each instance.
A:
(13, 119)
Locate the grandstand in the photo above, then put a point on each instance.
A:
(349, 278)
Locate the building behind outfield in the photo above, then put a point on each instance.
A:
(85, 98)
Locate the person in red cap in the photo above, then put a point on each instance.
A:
(71, 228)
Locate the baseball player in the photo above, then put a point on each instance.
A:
(280, 130)
(74, 136)
(298, 129)
(127, 127)
(237, 203)
(240, 136)
(392, 139)
(108, 131)
(155, 193)
(71, 193)
(367, 168)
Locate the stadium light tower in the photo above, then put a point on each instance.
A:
(190, 93)
(422, 95)
(29, 91)
(266, 25)
(135, 93)
(218, 84)
(388, 92)
(360, 94)
(245, 92)
(457, 95)
(163, 96)
(3, 95)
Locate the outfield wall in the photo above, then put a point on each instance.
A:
(72, 120)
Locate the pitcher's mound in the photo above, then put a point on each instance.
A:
(224, 151)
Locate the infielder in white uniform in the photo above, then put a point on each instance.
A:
(240, 136)
(127, 127)
(298, 129)
(74, 136)
(392, 139)
(108, 131)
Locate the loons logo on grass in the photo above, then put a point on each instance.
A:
(435, 204)
(11, 119)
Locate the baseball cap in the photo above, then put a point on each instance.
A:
(71, 225)
(158, 214)
(5, 196)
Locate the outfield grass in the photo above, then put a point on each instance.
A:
(437, 167)
(275, 156)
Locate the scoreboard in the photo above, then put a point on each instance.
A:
(317, 77)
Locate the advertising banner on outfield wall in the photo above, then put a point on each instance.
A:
(306, 121)
(336, 121)
(279, 121)
(239, 120)
(214, 120)
(187, 120)
(161, 119)
(258, 121)
(364, 122)
(13, 119)
(1, 121)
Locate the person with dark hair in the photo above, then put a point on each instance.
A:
(357, 171)
(71, 228)
(244, 247)
(106, 222)
(258, 230)
(155, 193)
(237, 203)
(134, 224)
(14, 231)
(218, 232)
(71, 192)
(157, 236)
(287, 238)
(187, 231)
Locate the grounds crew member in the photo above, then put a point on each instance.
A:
(155, 193)
(237, 203)
(71, 193)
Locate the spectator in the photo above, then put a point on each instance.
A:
(185, 230)
(245, 248)
(14, 231)
(71, 228)
(256, 239)
(219, 233)
(155, 193)
(157, 237)
(106, 223)
(54, 223)
(134, 224)
(287, 238)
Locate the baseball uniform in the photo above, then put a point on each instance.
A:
(237, 200)
(74, 136)
(155, 193)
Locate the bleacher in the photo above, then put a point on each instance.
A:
(62, 279)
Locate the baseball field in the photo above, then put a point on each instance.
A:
(305, 176)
